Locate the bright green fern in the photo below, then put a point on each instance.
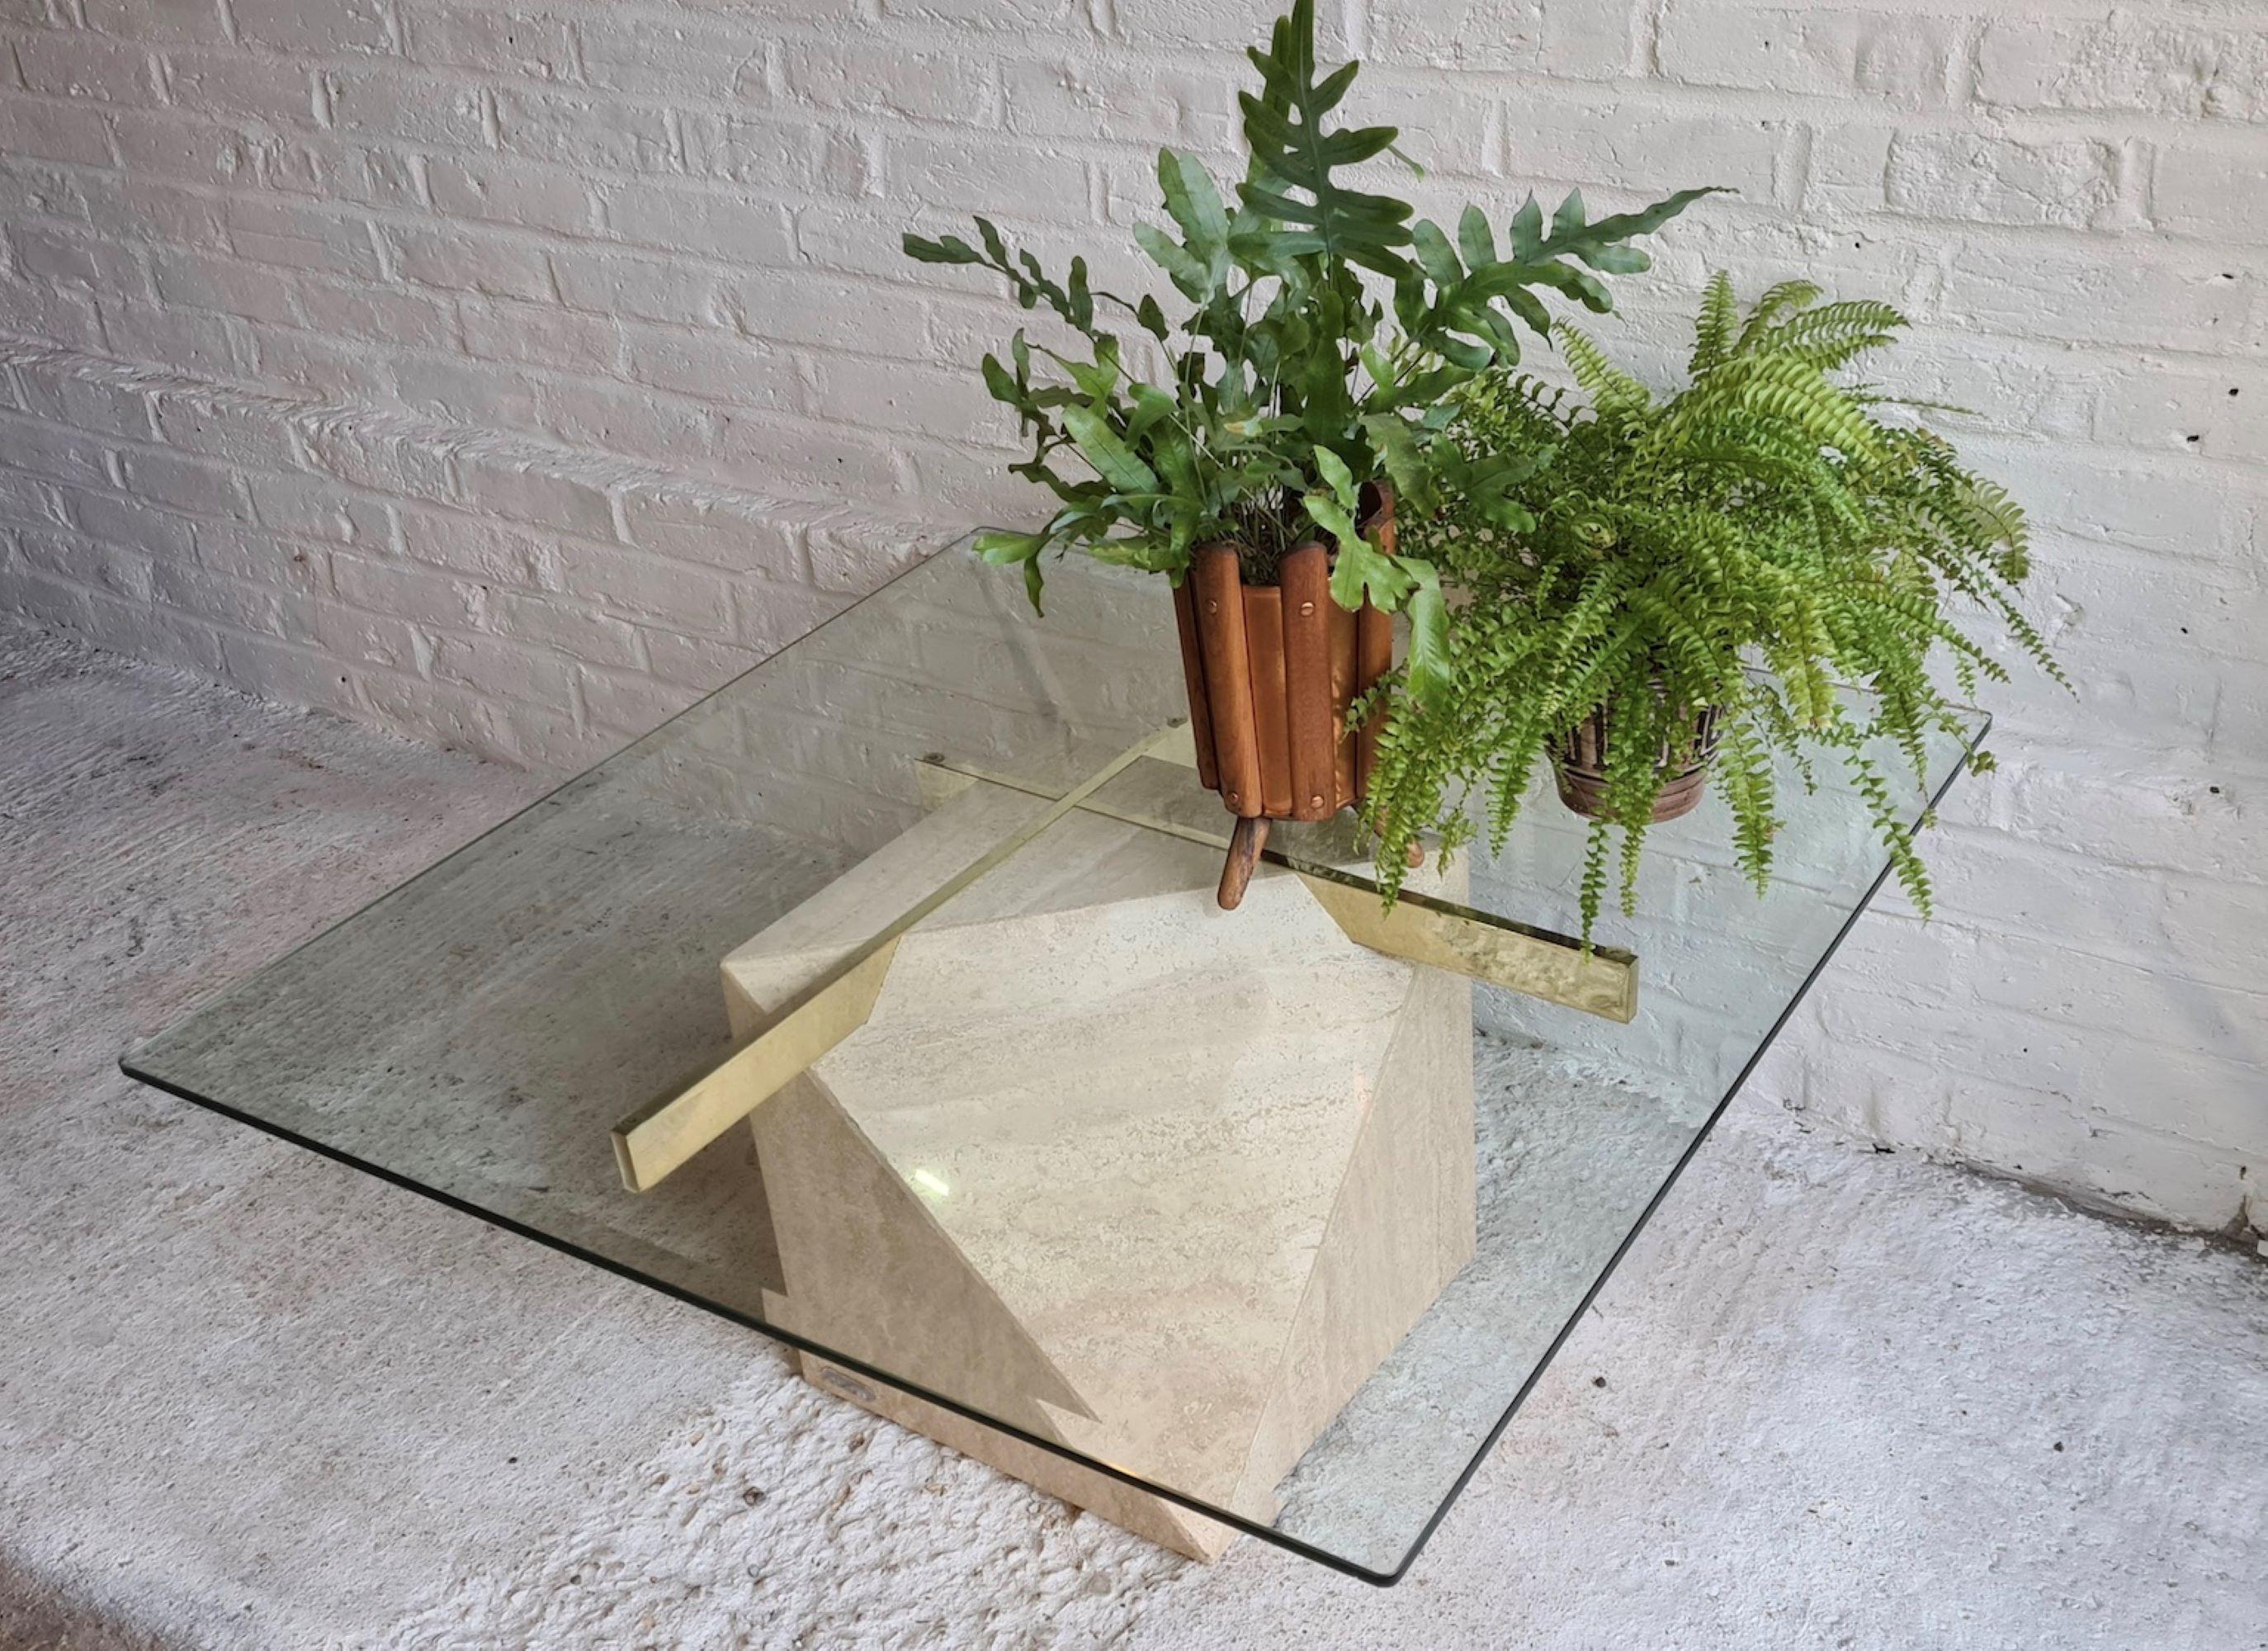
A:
(1763, 516)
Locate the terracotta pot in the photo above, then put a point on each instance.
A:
(1580, 762)
(1272, 670)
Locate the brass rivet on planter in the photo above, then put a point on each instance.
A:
(1212, 607)
(1315, 801)
(1305, 608)
(1231, 797)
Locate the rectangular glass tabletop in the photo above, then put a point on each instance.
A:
(891, 972)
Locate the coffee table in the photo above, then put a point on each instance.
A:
(880, 1003)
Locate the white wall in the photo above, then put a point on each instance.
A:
(502, 377)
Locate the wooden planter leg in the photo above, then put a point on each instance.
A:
(1244, 845)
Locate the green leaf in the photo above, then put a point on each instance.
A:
(1530, 309)
(1337, 520)
(1005, 550)
(1428, 673)
(1334, 471)
(1189, 276)
(1484, 485)
(1569, 221)
(1273, 251)
(1528, 231)
(1001, 548)
(1195, 205)
(1475, 238)
(1005, 389)
(1363, 143)
(1177, 461)
(1142, 553)
(1622, 225)
(1427, 388)
(1615, 259)
(951, 249)
(1408, 465)
(1152, 407)
(1712, 334)
(1113, 459)
(1097, 381)
(1333, 89)
(1435, 255)
(1293, 154)
(1463, 353)
(1361, 571)
(1082, 300)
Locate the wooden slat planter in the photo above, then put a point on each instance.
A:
(1272, 671)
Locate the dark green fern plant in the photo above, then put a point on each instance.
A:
(1655, 551)
(1291, 380)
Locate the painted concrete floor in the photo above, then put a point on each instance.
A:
(249, 1397)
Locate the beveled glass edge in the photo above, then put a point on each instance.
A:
(695, 1299)
(128, 1064)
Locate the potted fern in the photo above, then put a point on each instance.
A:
(1260, 471)
(1655, 550)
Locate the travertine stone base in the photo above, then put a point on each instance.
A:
(1160, 1182)
(1150, 1517)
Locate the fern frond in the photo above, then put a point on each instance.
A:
(1764, 512)
(1612, 391)
(1788, 295)
(1712, 336)
(1834, 334)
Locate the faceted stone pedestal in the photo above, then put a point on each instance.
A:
(1161, 1183)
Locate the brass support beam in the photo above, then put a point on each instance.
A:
(1419, 929)
(654, 1140)
(650, 1145)
(1529, 961)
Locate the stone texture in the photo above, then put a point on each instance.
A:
(1148, 1186)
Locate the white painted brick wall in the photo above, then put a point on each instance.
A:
(502, 375)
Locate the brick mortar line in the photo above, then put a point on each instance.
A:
(2191, 253)
(2153, 461)
(1628, 97)
(2209, 363)
(1655, 92)
(309, 416)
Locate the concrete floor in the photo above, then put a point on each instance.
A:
(249, 1397)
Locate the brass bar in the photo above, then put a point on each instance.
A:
(1552, 967)
(654, 1140)
(1535, 962)
(649, 1147)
